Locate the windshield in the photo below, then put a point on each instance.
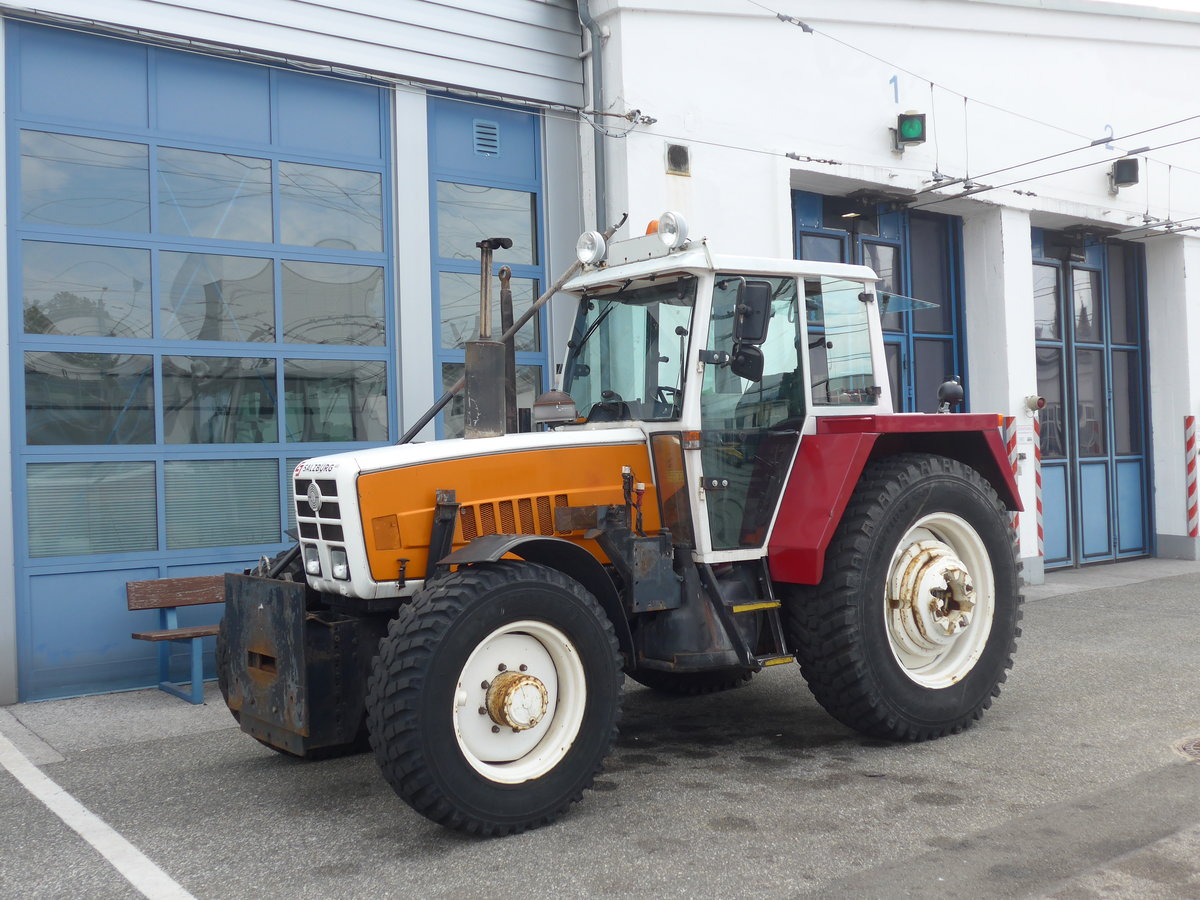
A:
(626, 353)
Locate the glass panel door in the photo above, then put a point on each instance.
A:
(1087, 316)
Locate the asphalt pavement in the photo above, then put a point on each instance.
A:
(1083, 781)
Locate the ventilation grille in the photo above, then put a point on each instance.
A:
(486, 136)
(507, 517)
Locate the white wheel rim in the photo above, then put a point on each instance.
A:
(551, 672)
(940, 600)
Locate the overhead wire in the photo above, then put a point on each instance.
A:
(891, 63)
(995, 187)
(941, 184)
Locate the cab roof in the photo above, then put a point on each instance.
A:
(696, 257)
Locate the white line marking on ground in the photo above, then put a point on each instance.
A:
(127, 859)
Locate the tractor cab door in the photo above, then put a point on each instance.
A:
(750, 428)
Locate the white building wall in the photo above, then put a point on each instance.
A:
(1173, 277)
(1000, 339)
(743, 89)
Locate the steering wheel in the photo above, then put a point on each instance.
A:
(666, 401)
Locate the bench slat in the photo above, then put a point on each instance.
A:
(164, 592)
(176, 634)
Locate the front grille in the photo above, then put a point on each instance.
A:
(325, 524)
(507, 517)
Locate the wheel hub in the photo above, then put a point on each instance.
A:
(931, 597)
(517, 700)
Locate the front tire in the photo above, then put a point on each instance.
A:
(495, 697)
(913, 628)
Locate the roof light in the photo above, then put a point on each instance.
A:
(591, 248)
(672, 230)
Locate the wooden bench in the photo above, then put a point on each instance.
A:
(167, 595)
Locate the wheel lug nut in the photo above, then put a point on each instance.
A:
(495, 729)
(524, 668)
(483, 710)
(502, 667)
(485, 685)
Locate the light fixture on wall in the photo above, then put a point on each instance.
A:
(910, 130)
(1124, 173)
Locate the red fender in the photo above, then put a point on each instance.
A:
(829, 465)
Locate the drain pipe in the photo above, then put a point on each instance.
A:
(597, 42)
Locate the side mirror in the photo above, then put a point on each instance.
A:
(747, 362)
(753, 312)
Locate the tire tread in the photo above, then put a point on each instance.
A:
(396, 680)
(823, 621)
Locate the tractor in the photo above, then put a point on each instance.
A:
(718, 485)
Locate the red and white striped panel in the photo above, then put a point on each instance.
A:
(1010, 442)
(1037, 477)
(1189, 453)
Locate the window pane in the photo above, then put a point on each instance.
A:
(1127, 402)
(840, 366)
(1050, 386)
(88, 291)
(216, 298)
(1090, 406)
(1122, 313)
(1086, 290)
(221, 502)
(91, 507)
(329, 303)
(529, 385)
(459, 303)
(1045, 304)
(88, 398)
(320, 206)
(891, 355)
(335, 400)
(468, 213)
(81, 182)
(883, 259)
(934, 364)
(821, 249)
(928, 252)
(214, 195)
(218, 400)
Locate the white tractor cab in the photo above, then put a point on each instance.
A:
(743, 355)
(721, 486)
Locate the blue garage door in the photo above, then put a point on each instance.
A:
(1088, 309)
(200, 296)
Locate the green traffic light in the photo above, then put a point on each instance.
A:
(911, 127)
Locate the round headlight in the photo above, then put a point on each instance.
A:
(590, 248)
(672, 230)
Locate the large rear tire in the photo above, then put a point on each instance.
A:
(495, 697)
(913, 628)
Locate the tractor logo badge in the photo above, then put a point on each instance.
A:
(314, 497)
